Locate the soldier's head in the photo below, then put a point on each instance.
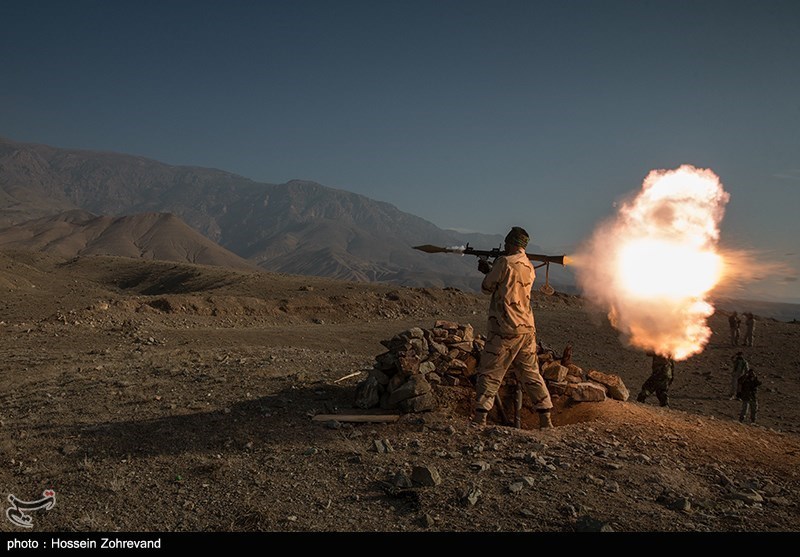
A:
(517, 238)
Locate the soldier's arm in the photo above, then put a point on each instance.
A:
(493, 277)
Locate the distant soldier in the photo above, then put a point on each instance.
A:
(735, 323)
(749, 328)
(748, 388)
(740, 367)
(660, 379)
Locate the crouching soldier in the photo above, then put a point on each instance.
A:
(660, 379)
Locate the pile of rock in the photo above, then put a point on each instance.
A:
(416, 360)
(419, 360)
(580, 386)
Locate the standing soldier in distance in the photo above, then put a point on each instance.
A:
(735, 323)
(749, 328)
(748, 388)
(740, 367)
(511, 331)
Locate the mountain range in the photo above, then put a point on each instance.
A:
(77, 202)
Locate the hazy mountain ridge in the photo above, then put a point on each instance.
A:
(146, 235)
(298, 227)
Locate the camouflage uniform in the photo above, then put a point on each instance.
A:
(740, 367)
(659, 381)
(512, 334)
(748, 387)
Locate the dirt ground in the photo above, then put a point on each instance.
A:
(153, 396)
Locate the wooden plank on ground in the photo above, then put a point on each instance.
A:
(380, 418)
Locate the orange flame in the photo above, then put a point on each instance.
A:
(654, 263)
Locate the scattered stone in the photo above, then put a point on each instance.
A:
(612, 487)
(555, 372)
(722, 479)
(575, 371)
(421, 403)
(674, 502)
(425, 476)
(333, 424)
(382, 446)
(470, 496)
(681, 504)
(426, 521)
(587, 392)
(613, 383)
(557, 388)
(367, 393)
(401, 480)
(779, 500)
(568, 511)
(427, 367)
(480, 466)
(749, 497)
(587, 523)
(516, 487)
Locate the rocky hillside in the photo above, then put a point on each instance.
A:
(298, 227)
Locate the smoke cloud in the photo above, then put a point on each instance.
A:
(652, 265)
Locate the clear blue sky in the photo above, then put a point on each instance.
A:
(475, 115)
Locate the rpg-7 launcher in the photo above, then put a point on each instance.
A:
(492, 254)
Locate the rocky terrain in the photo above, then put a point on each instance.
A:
(154, 396)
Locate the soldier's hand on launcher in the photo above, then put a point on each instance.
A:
(484, 266)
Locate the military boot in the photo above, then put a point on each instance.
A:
(544, 420)
(479, 419)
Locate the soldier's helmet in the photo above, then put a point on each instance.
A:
(517, 237)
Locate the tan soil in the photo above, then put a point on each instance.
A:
(161, 397)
